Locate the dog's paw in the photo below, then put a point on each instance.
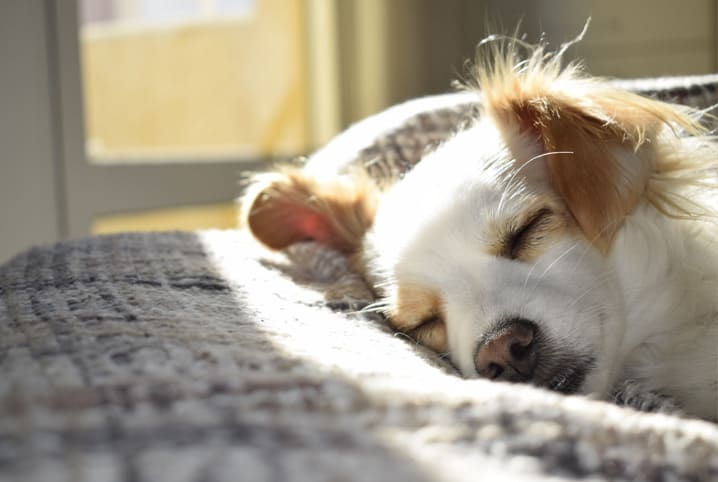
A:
(630, 393)
(349, 292)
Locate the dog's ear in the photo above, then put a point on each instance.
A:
(595, 140)
(291, 205)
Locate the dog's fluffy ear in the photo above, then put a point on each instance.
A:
(596, 139)
(291, 205)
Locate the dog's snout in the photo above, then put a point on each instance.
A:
(508, 352)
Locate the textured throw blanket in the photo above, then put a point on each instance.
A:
(202, 357)
(196, 356)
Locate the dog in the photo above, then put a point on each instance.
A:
(565, 238)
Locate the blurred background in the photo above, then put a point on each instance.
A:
(141, 114)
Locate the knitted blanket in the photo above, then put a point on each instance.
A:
(203, 357)
(197, 356)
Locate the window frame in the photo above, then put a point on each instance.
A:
(90, 190)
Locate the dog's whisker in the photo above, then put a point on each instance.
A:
(601, 281)
(376, 307)
(509, 183)
(545, 272)
(401, 334)
(555, 261)
(589, 246)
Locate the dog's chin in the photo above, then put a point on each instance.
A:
(569, 374)
(565, 373)
(598, 382)
(581, 377)
(568, 380)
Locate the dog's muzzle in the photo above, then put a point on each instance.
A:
(515, 350)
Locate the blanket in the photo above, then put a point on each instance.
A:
(203, 357)
(199, 356)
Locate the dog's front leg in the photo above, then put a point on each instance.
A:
(630, 393)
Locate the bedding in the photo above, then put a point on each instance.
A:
(202, 356)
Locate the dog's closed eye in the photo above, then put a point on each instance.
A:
(418, 311)
(431, 333)
(520, 243)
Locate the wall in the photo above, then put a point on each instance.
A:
(30, 204)
(428, 42)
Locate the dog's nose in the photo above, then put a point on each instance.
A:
(508, 352)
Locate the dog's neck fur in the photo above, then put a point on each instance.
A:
(669, 280)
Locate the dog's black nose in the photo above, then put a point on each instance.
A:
(508, 352)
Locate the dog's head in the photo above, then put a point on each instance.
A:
(495, 247)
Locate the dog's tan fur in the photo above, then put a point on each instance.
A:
(335, 212)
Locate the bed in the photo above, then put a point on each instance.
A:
(201, 356)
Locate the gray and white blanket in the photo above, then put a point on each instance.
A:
(203, 357)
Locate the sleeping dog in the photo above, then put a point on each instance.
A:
(565, 238)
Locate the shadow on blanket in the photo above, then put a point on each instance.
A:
(198, 356)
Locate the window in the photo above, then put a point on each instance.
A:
(216, 80)
(164, 103)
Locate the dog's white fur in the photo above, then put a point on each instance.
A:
(621, 268)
